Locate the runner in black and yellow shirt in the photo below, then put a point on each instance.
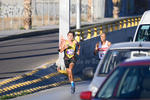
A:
(70, 49)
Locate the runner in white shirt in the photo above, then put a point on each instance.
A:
(102, 46)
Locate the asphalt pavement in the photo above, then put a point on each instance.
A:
(25, 54)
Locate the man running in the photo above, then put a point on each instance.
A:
(102, 46)
(69, 47)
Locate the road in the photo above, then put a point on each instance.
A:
(59, 93)
(21, 55)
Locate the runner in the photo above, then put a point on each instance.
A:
(102, 46)
(69, 48)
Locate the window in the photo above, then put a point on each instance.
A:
(108, 88)
(143, 33)
(127, 83)
(114, 57)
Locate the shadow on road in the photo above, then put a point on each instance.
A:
(15, 72)
(33, 43)
(29, 50)
(28, 56)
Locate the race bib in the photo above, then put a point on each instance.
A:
(101, 55)
(70, 52)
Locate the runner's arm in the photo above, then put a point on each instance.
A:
(78, 51)
(96, 49)
(63, 47)
(109, 44)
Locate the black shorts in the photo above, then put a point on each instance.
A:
(68, 61)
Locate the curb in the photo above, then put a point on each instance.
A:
(33, 32)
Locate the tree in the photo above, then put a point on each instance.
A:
(27, 14)
(116, 10)
(90, 10)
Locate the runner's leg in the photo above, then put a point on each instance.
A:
(69, 71)
(71, 65)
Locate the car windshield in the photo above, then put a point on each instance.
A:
(143, 33)
(114, 57)
(127, 82)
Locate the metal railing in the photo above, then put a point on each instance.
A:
(97, 29)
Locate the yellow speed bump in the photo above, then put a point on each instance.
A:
(44, 66)
(28, 82)
(22, 92)
(63, 72)
(17, 78)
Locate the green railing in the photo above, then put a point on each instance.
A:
(97, 29)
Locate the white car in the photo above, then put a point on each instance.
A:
(143, 29)
(115, 54)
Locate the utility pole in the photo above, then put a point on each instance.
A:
(101, 10)
(27, 14)
(78, 13)
(64, 26)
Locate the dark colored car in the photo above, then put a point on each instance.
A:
(129, 80)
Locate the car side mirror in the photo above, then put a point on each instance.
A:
(88, 73)
(86, 95)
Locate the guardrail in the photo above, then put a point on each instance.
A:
(97, 29)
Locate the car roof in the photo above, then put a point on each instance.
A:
(137, 61)
(145, 18)
(130, 45)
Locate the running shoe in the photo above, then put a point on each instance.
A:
(72, 89)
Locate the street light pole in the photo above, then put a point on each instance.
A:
(78, 13)
(64, 26)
